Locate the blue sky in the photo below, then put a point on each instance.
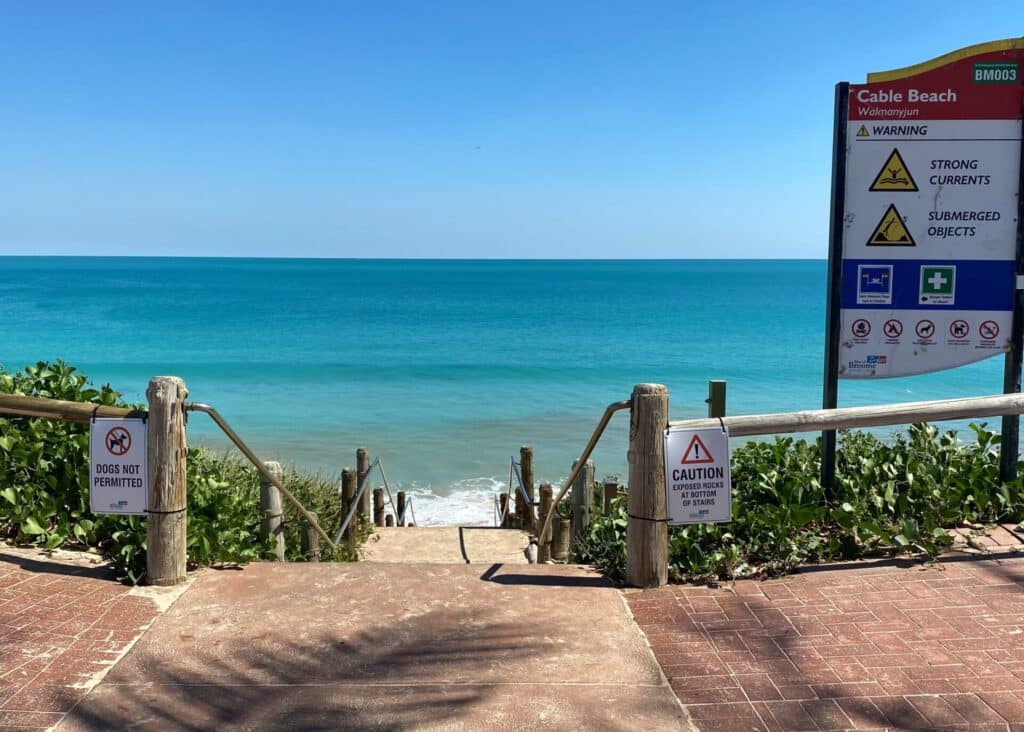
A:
(527, 129)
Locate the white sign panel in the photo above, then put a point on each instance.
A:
(118, 475)
(930, 224)
(697, 477)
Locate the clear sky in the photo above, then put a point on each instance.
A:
(439, 129)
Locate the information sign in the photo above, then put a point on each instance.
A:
(930, 213)
(118, 474)
(697, 478)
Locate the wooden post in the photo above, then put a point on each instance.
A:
(503, 498)
(647, 532)
(582, 501)
(716, 398)
(310, 539)
(378, 506)
(389, 520)
(544, 542)
(611, 492)
(272, 523)
(167, 517)
(362, 468)
(348, 494)
(526, 472)
(560, 547)
(400, 518)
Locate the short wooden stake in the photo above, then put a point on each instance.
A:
(582, 501)
(560, 547)
(716, 398)
(167, 519)
(544, 542)
(310, 540)
(647, 530)
(378, 506)
(272, 522)
(348, 494)
(389, 520)
(362, 469)
(503, 510)
(611, 492)
(400, 518)
(528, 515)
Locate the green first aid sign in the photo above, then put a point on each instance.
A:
(938, 285)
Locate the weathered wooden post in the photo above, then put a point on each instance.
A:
(378, 506)
(611, 492)
(647, 531)
(389, 520)
(503, 518)
(310, 539)
(272, 523)
(582, 500)
(362, 469)
(400, 518)
(544, 542)
(716, 398)
(560, 547)
(526, 473)
(348, 494)
(166, 543)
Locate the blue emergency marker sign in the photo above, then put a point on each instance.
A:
(874, 284)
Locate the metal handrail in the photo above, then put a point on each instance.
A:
(584, 456)
(258, 464)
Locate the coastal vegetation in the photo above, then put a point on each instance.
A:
(44, 494)
(897, 496)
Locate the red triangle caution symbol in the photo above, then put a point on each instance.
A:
(697, 453)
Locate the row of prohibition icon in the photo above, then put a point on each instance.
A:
(988, 329)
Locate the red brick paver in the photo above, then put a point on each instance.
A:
(63, 624)
(862, 646)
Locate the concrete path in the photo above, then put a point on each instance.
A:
(399, 646)
(894, 645)
(441, 544)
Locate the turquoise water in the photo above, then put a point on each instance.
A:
(442, 368)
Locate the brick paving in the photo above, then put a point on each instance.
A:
(63, 624)
(857, 646)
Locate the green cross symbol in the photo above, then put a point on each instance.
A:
(937, 280)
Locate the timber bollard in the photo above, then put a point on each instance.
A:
(400, 518)
(272, 523)
(647, 530)
(716, 398)
(544, 542)
(611, 492)
(389, 520)
(348, 494)
(560, 547)
(310, 540)
(362, 469)
(166, 518)
(378, 507)
(526, 473)
(503, 517)
(582, 500)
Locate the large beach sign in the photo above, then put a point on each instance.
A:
(926, 214)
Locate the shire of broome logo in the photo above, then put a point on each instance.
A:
(996, 72)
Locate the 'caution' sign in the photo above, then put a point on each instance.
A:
(698, 482)
(891, 231)
(894, 175)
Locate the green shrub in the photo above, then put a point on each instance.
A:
(891, 497)
(44, 496)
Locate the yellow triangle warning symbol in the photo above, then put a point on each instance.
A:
(696, 453)
(863, 132)
(894, 175)
(891, 231)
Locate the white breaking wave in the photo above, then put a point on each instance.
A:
(467, 502)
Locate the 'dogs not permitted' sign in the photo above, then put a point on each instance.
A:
(697, 477)
(118, 475)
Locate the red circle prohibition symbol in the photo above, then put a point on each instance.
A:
(924, 329)
(959, 329)
(118, 441)
(893, 328)
(989, 330)
(861, 328)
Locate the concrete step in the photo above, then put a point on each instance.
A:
(445, 545)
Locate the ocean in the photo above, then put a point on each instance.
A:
(441, 368)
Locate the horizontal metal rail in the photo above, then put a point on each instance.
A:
(856, 417)
(258, 464)
(584, 456)
(30, 406)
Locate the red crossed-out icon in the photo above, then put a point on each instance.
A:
(861, 328)
(924, 329)
(893, 328)
(959, 329)
(989, 330)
